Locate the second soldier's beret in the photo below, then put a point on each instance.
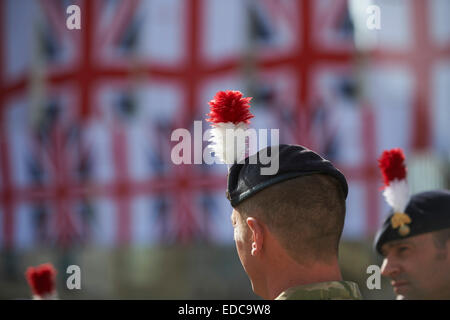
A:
(245, 179)
(429, 211)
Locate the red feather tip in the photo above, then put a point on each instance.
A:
(229, 106)
(392, 165)
(41, 279)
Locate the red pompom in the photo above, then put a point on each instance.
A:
(229, 106)
(41, 279)
(392, 165)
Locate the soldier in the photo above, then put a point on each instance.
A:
(415, 239)
(287, 225)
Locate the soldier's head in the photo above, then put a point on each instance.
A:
(417, 263)
(418, 266)
(293, 220)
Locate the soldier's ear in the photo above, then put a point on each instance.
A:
(257, 235)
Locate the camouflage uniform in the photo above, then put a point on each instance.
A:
(332, 290)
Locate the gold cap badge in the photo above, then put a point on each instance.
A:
(399, 220)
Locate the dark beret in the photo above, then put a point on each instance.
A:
(245, 179)
(429, 211)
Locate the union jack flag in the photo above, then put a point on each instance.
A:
(86, 115)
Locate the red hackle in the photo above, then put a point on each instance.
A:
(392, 165)
(41, 279)
(229, 106)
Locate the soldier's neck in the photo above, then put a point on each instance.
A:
(293, 275)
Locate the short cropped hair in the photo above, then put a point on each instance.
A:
(306, 214)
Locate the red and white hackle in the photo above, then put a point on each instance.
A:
(228, 111)
(396, 190)
(42, 281)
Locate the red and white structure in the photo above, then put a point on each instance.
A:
(86, 115)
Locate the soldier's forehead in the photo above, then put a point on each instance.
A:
(394, 243)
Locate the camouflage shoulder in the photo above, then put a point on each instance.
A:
(331, 290)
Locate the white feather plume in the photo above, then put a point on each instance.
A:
(397, 195)
(228, 152)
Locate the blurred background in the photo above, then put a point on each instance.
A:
(86, 117)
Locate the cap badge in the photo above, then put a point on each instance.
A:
(400, 220)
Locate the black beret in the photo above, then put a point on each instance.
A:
(245, 179)
(429, 211)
